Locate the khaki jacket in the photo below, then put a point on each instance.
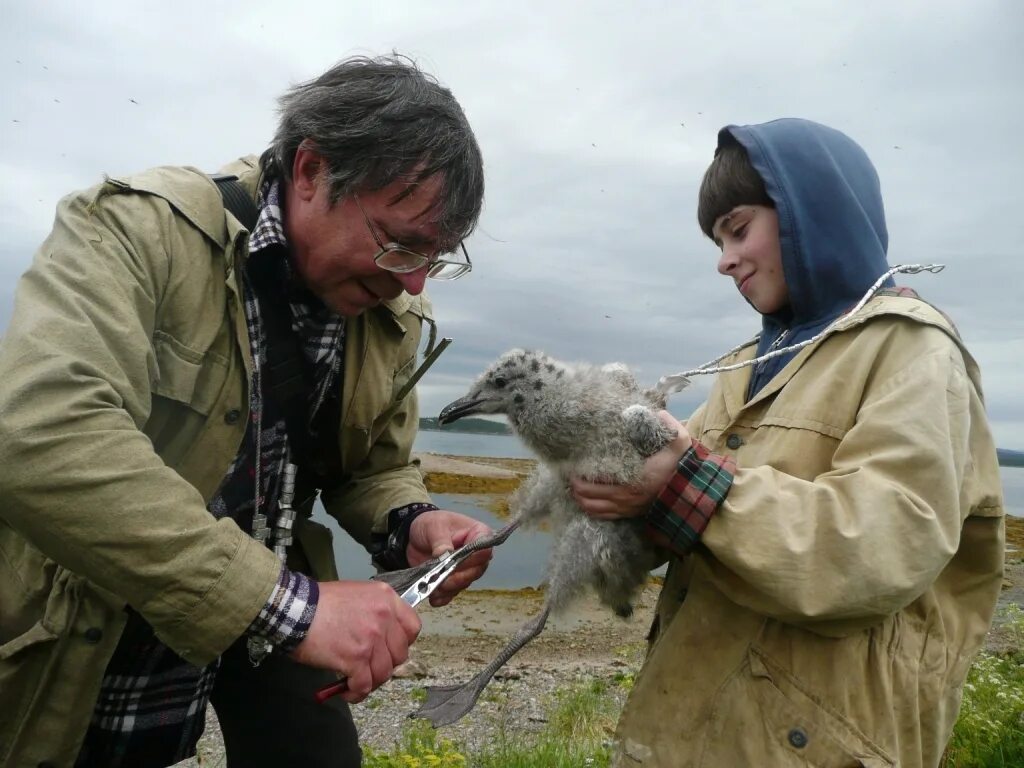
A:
(832, 611)
(123, 399)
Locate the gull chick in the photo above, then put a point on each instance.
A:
(594, 422)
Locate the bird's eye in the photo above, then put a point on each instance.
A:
(500, 382)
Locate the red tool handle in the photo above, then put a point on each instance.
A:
(331, 690)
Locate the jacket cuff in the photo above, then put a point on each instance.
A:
(285, 619)
(388, 551)
(690, 499)
(224, 612)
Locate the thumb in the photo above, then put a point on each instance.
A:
(443, 544)
(669, 420)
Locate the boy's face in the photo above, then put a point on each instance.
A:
(751, 255)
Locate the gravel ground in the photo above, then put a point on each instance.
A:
(587, 643)
(458, 640)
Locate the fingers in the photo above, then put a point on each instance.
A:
(470, 534)
(382, 664)
(586, 491)
(360, 684)
(603, 501)
(682, 439)
(387, 647)
(454, 584)
(409, 621)
(453, 531)
(472, 569)
(670, 421)
(362, 630)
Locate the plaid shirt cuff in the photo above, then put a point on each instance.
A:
(693, 495)
(285, 619)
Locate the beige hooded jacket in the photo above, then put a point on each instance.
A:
(832, 611)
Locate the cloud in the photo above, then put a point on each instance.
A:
(596, 121)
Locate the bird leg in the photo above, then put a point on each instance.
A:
(446, 704)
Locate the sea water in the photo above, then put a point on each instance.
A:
(520, 561)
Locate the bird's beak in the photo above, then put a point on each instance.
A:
(464, 406)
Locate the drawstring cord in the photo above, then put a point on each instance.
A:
(667, 385)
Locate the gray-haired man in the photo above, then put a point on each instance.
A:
(165, 372)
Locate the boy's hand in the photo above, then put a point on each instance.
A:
(609, 501)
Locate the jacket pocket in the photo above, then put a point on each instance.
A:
(317, 544)
(187, 375)
(763, 716)
(26, 659)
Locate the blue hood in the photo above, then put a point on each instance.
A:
(831, 225)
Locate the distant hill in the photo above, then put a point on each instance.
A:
(1008, 458)
(474, 426)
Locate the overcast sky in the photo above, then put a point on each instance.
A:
(596, 121)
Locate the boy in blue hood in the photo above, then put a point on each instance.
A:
(832, 514)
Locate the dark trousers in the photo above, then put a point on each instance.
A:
(269, 717)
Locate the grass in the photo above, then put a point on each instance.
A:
(580, 721)
(581, 717)
(990, 730)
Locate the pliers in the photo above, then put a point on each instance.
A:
(414, 585)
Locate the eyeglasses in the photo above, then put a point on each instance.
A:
(397, 258)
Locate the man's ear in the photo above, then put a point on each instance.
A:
(306, 168)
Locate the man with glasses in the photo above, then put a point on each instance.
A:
(176, 389)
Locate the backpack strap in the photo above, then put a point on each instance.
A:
(236, 199)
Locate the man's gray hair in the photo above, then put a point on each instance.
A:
(378, 120)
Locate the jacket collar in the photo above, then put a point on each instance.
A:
(735, 383)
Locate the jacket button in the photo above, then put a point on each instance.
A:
(798, 738)
(93, 635)
(734, 441)
(232, 416)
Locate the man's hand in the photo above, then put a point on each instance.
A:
(361, 629)
(608, 501)
(439, 531)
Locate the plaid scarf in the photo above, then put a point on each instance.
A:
(152, 703)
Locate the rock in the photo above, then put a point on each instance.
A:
(410, 669)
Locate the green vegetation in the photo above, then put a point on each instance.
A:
(474, 426)
(421, 747)
(990, 730)
(580, 721)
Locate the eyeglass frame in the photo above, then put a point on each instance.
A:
(425, 261)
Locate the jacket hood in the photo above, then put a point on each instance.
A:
(832, 229)
(831, 219)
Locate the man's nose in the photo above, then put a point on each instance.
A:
(412, 282)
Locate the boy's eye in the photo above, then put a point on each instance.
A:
(740, 231)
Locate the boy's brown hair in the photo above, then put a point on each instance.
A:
(729, 181)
